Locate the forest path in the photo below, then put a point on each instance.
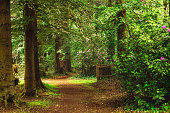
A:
(77, 98)
(101, 97)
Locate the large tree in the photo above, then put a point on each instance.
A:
(32, 73)
(6, 78)
(29, 14)
(38, 81)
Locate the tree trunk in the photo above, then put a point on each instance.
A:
(68, 55)
(121, 29)
(6, 78)
(111, 36)
(66, 41)
(39, 83)
(165, 2)
(109, 3)
(64, 65)
(57, 56)
(42, 62)
(68, 60)
(42, 53)
(30, 86)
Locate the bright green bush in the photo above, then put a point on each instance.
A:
(144, 65)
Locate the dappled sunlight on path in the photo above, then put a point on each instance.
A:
(74, 96)
(77, 98)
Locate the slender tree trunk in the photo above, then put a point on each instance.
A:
(30, 84)
(42, 57)
(110, 3)
(69, 69)
(6, 78)
(121, 29)
(68, 55)
(42, 53)
(165, 2)
(66, 63)
(57, 56)
(111, 36)
(39, 83)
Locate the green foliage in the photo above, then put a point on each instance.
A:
(51, 87)
(40, 103)
(83, 81)
(144, 66)
(98, 39)
(51, 90)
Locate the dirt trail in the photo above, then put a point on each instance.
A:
(77, 99)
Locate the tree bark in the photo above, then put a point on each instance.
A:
(39, 83)
(6, 78)
(30, 86)
(57, 56)
(68, 60)
(121, 29)
(42, 53)
(65, 64)
(68, 55)
(111, 36)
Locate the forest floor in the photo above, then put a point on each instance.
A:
(104, 96)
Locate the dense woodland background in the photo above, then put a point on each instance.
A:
(61, 36)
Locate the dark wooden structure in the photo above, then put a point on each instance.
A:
(103, 71)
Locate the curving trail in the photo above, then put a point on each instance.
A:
(77, 99)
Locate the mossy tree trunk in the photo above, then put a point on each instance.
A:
(30, 86)
(32, 73)
(111, 35)
(121, 29)
(6, 78)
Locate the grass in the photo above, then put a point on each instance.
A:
(51, 86)
(40, 103)
(82, 81)
(51, 92)
(86, 83)
(83, 77)
(45, 102)
(52, 89)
